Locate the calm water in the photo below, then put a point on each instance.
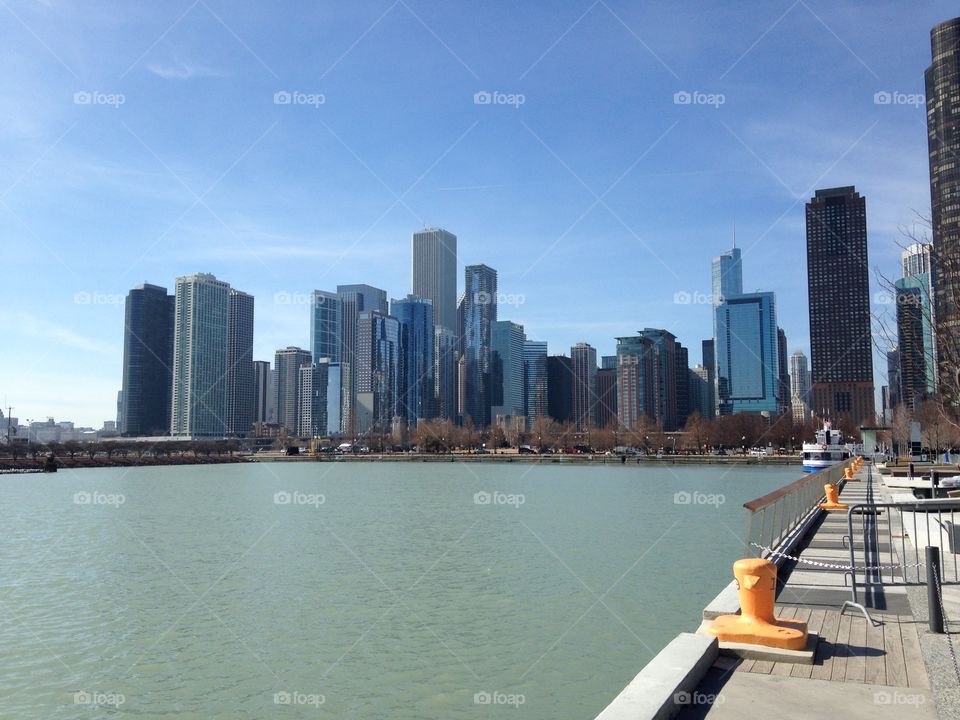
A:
(378, 591)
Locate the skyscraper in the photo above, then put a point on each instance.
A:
(942, 81)
(916, 337)
(535, 400)
(319, 396)
(479, 313)
(147, 360)
(583, 359)
(727, 275)
(799, 387)
(664, 407)
(560, 388)
(240, 386)
(325, 318)
(353, 300)
(700, 395)
(199, 388)
(838, 281)
(263, 391)
(783, 392)
(682, 375)
(445, 356)
(434, 273)
(747, 353)
(417, 387)
(506, 343)
(286, 380)
(377, 371)
(709, 362)
(636, 380)
(606, 408)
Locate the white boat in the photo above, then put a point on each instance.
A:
(826, 451)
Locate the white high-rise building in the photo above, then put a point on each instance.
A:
(799, 387)
(201, 317)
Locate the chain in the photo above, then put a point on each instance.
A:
(946, 628)
(833, 566)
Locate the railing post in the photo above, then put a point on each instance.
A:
(853, 559)
(933, 589)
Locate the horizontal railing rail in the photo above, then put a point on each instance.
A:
(777, 519)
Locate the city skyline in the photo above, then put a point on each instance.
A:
(754, 159)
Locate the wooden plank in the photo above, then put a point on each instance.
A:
(856, 650)
(893, 644)
(814, 625)
(876, 653)
(823, 662)
(763, 666)
(746, 666)
(913, 658)
(841, 651)
(801, 614)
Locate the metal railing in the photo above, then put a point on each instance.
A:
(778, 518)
(879, 549)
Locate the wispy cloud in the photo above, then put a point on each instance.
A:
(183, 70)
(31, 326)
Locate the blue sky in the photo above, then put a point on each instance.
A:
(141, 142)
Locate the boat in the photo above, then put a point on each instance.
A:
(827, 450)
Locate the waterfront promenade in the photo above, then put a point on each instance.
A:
(892, 668)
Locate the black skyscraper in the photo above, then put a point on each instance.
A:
(147, 361)
(943, 140)
(838, 281)
(560, 388)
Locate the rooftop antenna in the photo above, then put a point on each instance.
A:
(734, 232)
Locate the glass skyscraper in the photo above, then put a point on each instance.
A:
(727, 275)
(353, 300)
(286, 385)
(199, 388)
(583, 359)
(325, 318)
(241, 399)
(377, 371)
(636, 380)
(416, 372)
(479, 313)
(507, 341)
(535, 380)
(747, 354)
(147, 361)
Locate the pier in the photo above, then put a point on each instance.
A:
(888, 666)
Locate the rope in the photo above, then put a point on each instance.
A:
(833, 566)
(946, 623)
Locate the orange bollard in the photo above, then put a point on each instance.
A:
(833, 495)
(756, 623)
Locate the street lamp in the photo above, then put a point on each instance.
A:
(743, 443)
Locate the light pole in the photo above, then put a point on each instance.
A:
(743, 443)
